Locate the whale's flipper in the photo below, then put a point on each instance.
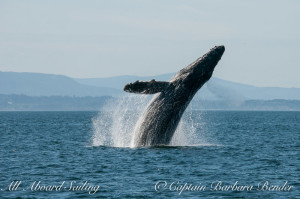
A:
(147, 87)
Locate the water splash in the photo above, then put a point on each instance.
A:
(190, 130)
(114, 126)
(115, 123)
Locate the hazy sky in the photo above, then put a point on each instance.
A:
(133, 37)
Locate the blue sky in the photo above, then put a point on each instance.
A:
(90, 38)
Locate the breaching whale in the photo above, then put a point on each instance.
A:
(160, 119)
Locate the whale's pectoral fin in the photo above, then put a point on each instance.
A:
(148, 87)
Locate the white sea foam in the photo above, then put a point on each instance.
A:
(115, 123)
(114, 126)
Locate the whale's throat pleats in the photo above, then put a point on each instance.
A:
(146, 87)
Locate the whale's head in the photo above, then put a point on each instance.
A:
(197, 73)
(207, 63)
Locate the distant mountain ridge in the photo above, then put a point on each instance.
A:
(119, 82)
(38, 84)
(214, 89)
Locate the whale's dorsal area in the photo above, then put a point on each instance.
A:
(162, 115)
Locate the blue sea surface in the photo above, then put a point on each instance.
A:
(244, 149)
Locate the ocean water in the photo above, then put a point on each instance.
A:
(215, 154)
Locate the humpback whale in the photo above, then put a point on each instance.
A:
(162, 115)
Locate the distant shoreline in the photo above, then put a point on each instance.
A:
(67, 103)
